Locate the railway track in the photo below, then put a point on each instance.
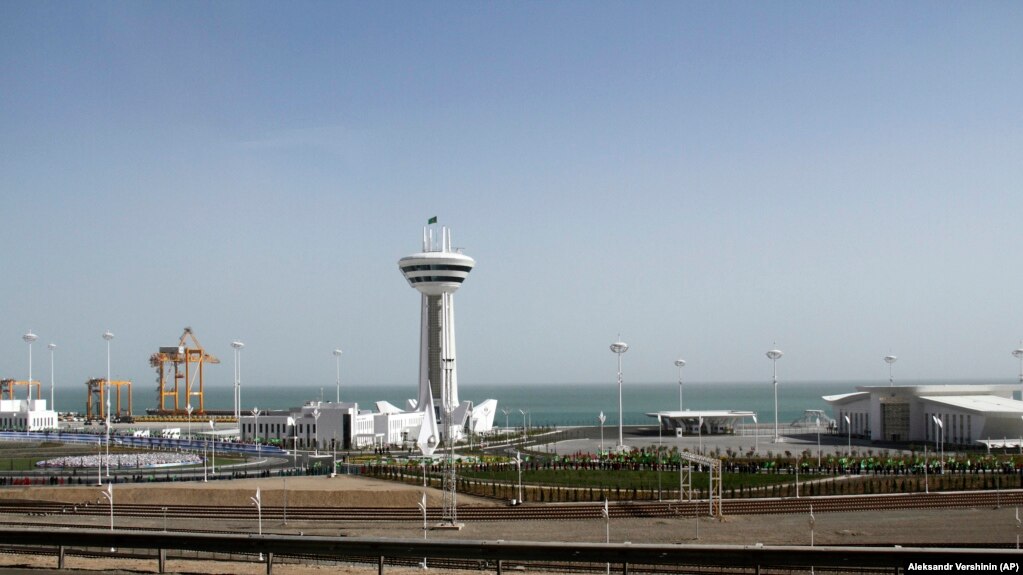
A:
(549, 512)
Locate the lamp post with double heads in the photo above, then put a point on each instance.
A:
(30, 339)
(238, 346)
(108, 336)
(774, 355)
(52, 347)
(258, 502)
(890, 359)
(618, 348)
(337, 358)
(680, 363)
(108, 493)
(941, 435)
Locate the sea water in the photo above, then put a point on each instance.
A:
(567, 404)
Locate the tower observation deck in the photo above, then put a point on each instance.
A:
(437, 272)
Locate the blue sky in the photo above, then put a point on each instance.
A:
(706, 179)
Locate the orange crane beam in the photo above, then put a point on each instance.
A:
(7, 386)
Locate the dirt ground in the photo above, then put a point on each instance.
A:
(905, 527)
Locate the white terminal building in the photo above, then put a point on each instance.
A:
(26, 415)
(436, 273)
(968, 414)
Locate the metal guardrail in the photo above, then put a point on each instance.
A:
(141, 442)
(494, 552)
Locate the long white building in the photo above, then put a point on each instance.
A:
(26, 415)
(969, 414)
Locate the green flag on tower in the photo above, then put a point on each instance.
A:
(432, 220)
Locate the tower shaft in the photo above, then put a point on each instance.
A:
(437, 348)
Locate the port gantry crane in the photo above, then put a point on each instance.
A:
(7, 387)
(98, 388)
(182, 362)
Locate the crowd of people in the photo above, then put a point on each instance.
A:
(122, 460)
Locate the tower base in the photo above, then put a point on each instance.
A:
(446, 525)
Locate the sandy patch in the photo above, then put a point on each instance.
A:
(316, 491)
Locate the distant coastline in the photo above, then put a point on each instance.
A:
(557, 404)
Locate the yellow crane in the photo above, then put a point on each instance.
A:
(7, 387)
(179, 367)
(99, 388)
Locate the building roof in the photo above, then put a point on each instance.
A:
(986, 404)
(846, 397)
(687, 414)
(954, 389)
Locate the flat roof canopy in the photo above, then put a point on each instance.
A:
(706, 414)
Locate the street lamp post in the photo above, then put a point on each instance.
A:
(680, 363)
(108, 336)
(255, 430)
(756, 435)
(294, 442)
(107, 457)
(774, 355)
(422, 507)
(337, 357)
(205, 459)
(237, 345)
(818, 443)
(99, 461)
(941, 435)
(188, 410)
(606, 513)
(109, 495)
(848, 430)
(602, 418)
(890, 359)
(699, 431)
(798, 459)
(257, 501)
(29, 339)
(518, 465)
(213, 441)
(927, 488)
(52, 347)
(505, 411)
(618, 348)
(316, 430)
(659, 426)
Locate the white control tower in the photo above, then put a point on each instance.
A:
(437, 272)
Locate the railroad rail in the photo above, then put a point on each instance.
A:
(747, 558)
